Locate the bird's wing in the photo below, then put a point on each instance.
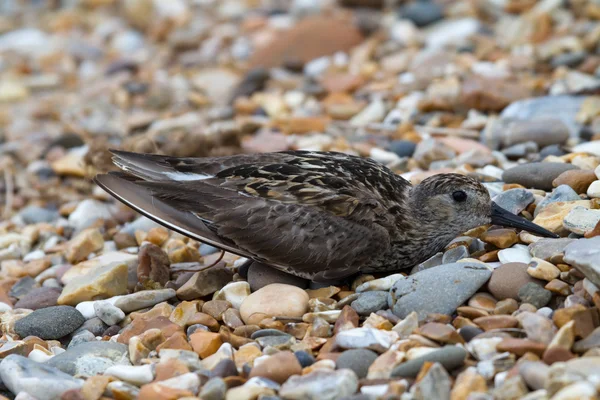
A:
(318, 214)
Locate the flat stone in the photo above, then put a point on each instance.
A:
(553, 215)
(205, 282)
(551, 250)
(50, 322)
(21, 375)
(439, 289)
(450, 357)
(103, 282)
(111, 258)
(358, 360)
(39, 298)
(521, 346)
(580, 220)
(90, 358)
(514, 200)
(561, 193)
(320, 384)
(536, 175)
(578, 179)
(129, 302)
(584, 254)
(436, 384)
(366, 338)
(534, 294)
(274, 300)
(370, 302)
(278, 367)
(507, 279)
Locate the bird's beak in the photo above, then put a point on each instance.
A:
(502, 217)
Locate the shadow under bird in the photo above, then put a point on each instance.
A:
(318, 215)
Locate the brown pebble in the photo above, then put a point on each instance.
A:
(205, 343)
(496, 322)
(521, 346)
(216, 308)
(501, 238)
(440, 333)
(278, 367)
(578, 179)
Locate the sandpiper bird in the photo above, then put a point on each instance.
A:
(318, 215)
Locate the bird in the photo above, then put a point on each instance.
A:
(323, 216)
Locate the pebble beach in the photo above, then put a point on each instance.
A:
(98, 302)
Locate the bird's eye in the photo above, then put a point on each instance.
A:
(459, 196)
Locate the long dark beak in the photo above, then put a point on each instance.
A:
(502, 217)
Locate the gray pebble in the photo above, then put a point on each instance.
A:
(584, 255)
(534, 294)
(39, 298)
(358, 360)
(81, 336)
(450, 357)
(35, 215)
(514, 200)
(214, 389)
(370, 302)
(455, 254)
(108, 313)
(437, 290)
(90, 358)
(561, 193)
(94, 325)
(50, 323)
(537, 175)
(42, 381)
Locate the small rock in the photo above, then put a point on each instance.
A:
(536, 175)
(577, 179)
(366, 338)
(422, 13)
(507, 279)
(39, 298)
(82, 245)
(358, 360)
(561, 193)
(514, 200)
(435, 384)
(543, 270)
(320, 384)
(41, 381)
(108, 313)
(205, 282)
(90, 358)
(278, 367)
(437, 290)
(370, 302)
(50, 322)
(584, 254)
(103, 282)
(450, 357)
(533, 293)
(274, 300)
(581, 220)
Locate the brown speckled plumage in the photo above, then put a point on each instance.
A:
(319, 215)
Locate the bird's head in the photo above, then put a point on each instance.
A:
(461, 203)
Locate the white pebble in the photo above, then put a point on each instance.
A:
(514, 254)
(136, 375)
(594, 188)
(108, 313)
(38, 355)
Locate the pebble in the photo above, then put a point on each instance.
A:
(543, 270)
(102, 282)
(437, 290)
(50, 322)
(561, 193)
(514, 200)
(536, 175)
(370, 302)
(534, 294)
(584, 254)
(321, 384)
(108, 313)
(422, 13)
(450, 357)
(358, 360)
(41, 381)
(578, 180)
(39, 298)
(205, 282)
(366, 338)
(274, 300)
(514, 255)
(129, 302)
(278, 367)
(90, 358)
(507, 279)
(580, 220)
